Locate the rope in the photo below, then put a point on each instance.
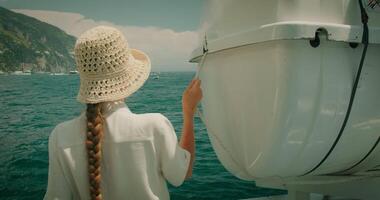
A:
(364, 18)
(202, 118)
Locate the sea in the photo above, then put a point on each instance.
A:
(31, 106)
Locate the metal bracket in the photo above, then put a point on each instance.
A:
(204, 47)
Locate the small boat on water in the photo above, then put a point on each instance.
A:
(27, 72)
(280, 102)
(40, 72)
(57, 74)
(74, 72)
(155, 75)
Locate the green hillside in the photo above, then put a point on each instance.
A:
(29, 44)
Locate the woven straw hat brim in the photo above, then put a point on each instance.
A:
(116, 86)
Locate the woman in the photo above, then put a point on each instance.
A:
(108, 152)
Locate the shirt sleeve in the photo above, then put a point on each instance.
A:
(57, 188)
(174, 160)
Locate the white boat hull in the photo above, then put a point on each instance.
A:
(278, 106)
(274, 105)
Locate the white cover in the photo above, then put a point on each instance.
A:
(274, 106)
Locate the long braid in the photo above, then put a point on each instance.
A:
(94, 149)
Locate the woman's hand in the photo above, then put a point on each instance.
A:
(191, 97)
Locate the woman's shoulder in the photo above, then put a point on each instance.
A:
(68, 131)
(124, 126)
(159, 122)
(125, 115)
(156, 122)
(153, 117)
(70, 123)
(153, 120)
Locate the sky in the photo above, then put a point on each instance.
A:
(165, 29)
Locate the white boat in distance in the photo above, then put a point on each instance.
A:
(57, 74)
(22, 73)
(73, 72)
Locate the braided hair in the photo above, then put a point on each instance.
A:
(94, 149)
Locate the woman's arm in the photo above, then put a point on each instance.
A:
(191, 96)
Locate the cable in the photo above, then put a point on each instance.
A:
(365, 157)
(364, 19)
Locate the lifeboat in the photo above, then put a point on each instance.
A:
(291, 88)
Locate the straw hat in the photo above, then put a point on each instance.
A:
(109, 70)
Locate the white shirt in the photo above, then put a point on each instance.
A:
(139, 152)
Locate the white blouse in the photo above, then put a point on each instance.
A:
(140, 152)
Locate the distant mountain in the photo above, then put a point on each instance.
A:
(29, 44)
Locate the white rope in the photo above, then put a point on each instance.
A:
(201, 116)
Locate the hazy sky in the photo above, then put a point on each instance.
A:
(165, 29)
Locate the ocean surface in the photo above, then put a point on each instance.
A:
(31, 106)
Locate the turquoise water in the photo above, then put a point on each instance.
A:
(30, 107)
